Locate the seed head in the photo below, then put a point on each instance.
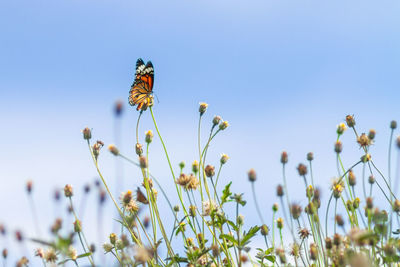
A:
(68, 192)
(393, 125)
(210, 171)
(338, 147)
(215, 250)
(310, 156)
(87, 133)
(107, 247)
(302, 169)
(203, 108)
(350, 121)
(284, 157)
(370, 202)
(113, 149)
(328, 243)
(149, 136)
(176, 208)
(313, 252)
(337, 239)
(252, 175)
(341, 128)
(224, 158)
(139, 149)
(96, 148)
(223, 125)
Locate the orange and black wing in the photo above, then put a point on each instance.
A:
(141, 90)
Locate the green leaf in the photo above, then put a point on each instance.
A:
(226, 193)
(229, 238)
(247, 236)
(84, 255)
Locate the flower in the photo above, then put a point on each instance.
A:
(203, 108)
(341, 128)
(113, 149)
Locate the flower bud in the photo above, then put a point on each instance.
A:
(396, 205)
(352, 178)
(87, 133)
(223, 125)
(149, 136)
(328, 243)
(302, 169)
(356, 203)
(365, 158)
(118, 108)
(77, 226)
(195, 166)
(192, 211)
(176, 208)
(68, 192)
(181, 165)
(284, 157)
(371, 179)
(341, 128)
(339, 220)
(370, 203)
(216, 120)
(350, 121)
(275, 207)
(29, 185)
(310, 156)
(279, 223)
(107, 247)
(252, 175)
(143, 162)
(139, 149)
(224, 158)
(393, 125)
(210, 171)
(279, 190)
(338, 147)
(264, 230)
(113, 149)
(203, 108)
(113, 238)
(371, 134)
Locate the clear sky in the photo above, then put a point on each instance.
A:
(283, 73)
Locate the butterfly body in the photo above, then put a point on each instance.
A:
(141, 93)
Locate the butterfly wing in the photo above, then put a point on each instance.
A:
(142, 87)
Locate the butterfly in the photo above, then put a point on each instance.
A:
(142, 88)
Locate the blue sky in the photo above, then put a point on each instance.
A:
(283, 73)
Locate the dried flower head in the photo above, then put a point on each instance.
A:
(39, 253)
(113, 149)
(72, 253)
(208, 207)
(295, 210)
(363, 140)
(126, 198)
(183, 180)
(352, 178)
(304, 233)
